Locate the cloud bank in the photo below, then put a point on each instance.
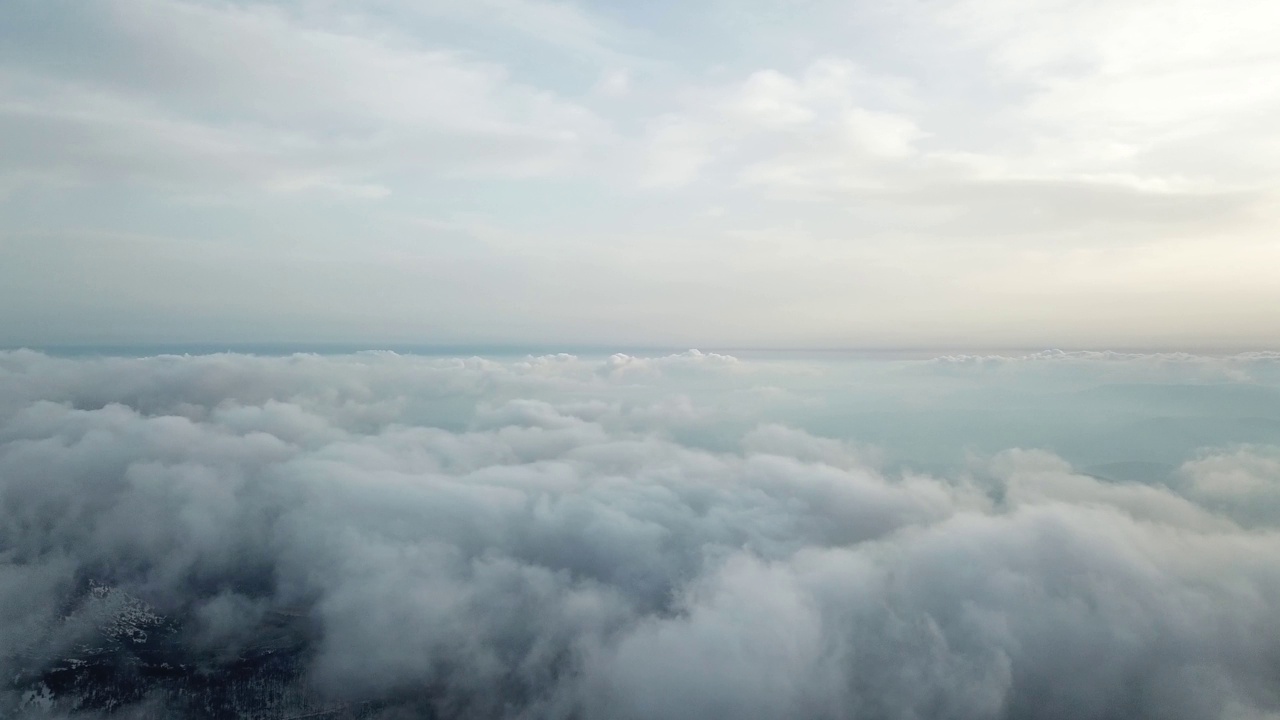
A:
(559, 537)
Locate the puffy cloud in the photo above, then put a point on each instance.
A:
(1243, 484)
(531, 538)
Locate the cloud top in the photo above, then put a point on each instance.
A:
(546, 538)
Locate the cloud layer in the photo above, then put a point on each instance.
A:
(560, 537)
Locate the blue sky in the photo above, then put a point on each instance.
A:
(956, 173)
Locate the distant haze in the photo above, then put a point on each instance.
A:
(816, 174)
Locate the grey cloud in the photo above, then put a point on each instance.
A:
(474, 538)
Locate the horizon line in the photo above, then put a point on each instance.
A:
(508, 349)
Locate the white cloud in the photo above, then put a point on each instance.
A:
(192, 94)
(504, 538)
(770, 100)
(814, 130)
(562, 27)
(1137, 84)
(1243, 484)
(678, 149)
(614, 84)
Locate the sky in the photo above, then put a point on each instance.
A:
(802, 174)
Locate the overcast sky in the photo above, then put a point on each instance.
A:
(719, 173)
